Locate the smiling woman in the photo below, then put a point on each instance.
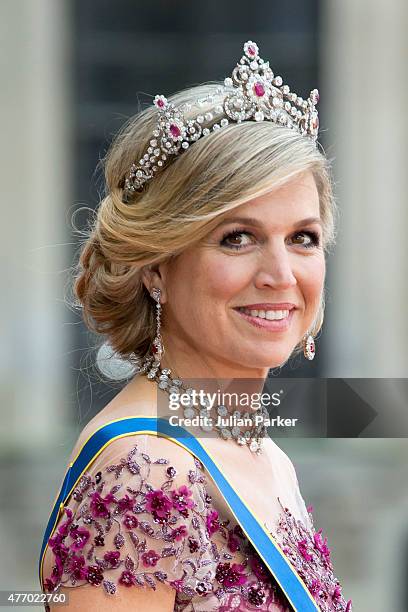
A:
(239, 277)
(206, 263)
(240, 167)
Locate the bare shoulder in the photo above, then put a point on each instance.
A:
(137, 398)
(85, 598)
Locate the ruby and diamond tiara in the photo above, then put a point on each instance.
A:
(252, 92)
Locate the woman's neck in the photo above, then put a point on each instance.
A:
(189, 364)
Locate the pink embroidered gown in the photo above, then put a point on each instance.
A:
(146, 511)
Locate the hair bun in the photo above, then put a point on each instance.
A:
(112, 366)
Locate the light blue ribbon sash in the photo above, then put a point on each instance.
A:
(279, 566)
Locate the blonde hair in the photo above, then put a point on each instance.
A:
(178, 208)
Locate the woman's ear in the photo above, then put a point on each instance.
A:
(154, 276)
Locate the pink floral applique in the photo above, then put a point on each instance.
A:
(310, 556)
(212, 522)
(174, 535)
(150, 558)
(80, 537)
(230, 575)
(181, 498)
(158, 503)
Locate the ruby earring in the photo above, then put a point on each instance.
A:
(309, 347)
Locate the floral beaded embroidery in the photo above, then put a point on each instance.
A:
(170, 523)
(310, 556)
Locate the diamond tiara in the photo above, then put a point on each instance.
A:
(252, 92)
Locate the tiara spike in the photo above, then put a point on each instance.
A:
(251, 93)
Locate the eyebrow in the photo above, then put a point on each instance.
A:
(256, 223)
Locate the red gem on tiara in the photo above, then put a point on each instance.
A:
(251, 49)
(259, 89)
(175, 130)
(160, 101)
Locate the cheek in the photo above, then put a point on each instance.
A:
(202, 286)
(225, 277)
(216, 276)
(313, 276)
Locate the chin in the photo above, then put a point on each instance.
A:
(271, 360)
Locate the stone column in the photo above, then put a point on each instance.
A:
(365, 80)
(35, 182)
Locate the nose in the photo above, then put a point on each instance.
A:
(276, 270)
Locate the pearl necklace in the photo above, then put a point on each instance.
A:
(253, 439)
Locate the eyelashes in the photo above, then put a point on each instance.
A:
(233, 233)
(314, 238)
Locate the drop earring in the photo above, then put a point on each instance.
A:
(157, 346)
(309, 347)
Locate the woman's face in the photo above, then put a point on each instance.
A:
(266, 257)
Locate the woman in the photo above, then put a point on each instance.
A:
(206, 268)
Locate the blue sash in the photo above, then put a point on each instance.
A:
(279, 566)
